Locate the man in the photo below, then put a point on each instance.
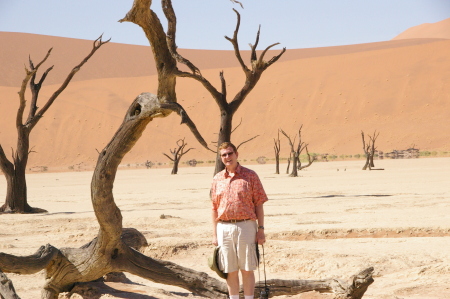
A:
(238, 220)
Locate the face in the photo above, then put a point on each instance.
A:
(229, 157)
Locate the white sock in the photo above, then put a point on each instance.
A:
(234, 296)
(249, 297)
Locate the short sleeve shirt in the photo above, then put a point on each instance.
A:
(235, 197)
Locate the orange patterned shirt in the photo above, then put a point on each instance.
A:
(235, 197)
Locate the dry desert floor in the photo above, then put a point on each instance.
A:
(332, 221)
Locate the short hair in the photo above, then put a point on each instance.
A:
(226, 145)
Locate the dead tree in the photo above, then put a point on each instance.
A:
(277, 148)
(177, 153)
(16, 193)
(153, 30)
(369, 150)
(296, 151)
(113, 250)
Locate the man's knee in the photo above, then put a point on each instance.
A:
(247, 273)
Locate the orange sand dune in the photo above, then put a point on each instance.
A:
(121, 60)
(399, 88)
(428, 30)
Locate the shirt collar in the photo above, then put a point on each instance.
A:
(237, 171)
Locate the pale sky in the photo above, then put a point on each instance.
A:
(202, 24)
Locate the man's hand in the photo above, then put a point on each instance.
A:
(260, 237)
(214, 241)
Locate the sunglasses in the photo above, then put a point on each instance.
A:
(227, 154)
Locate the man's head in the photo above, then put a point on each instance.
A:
(228, 155)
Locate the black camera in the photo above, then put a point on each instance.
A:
(264, 294)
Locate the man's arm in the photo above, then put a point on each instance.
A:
(214, 222)
(214, 214)
(260, 235)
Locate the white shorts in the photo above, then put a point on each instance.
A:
(237, 243)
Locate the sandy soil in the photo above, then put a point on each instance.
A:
(332, 221)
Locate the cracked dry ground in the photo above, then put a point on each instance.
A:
(325, 223)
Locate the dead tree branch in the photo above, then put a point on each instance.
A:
(237, 147)
(96, 45)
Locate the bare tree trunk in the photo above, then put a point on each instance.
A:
(294, 172)
(372, 164)
(366, 149)
(277, 164)
(373, 148)
(299, 163)
(277, 148)
(289, 163)
(226, 119)
(367, 164)
(175, 166)
(16, 195)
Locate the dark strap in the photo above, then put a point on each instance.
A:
(266, 289)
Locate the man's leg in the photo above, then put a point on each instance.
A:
(248, 280)
(233, 283)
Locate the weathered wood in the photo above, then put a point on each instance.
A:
(7, 290)
(354, 290)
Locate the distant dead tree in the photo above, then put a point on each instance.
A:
(296, 151)
(16, 190)
(116, 249)
(277, 148)
(192, 162)
(369, 150)
(149, 164)
(177, 153)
